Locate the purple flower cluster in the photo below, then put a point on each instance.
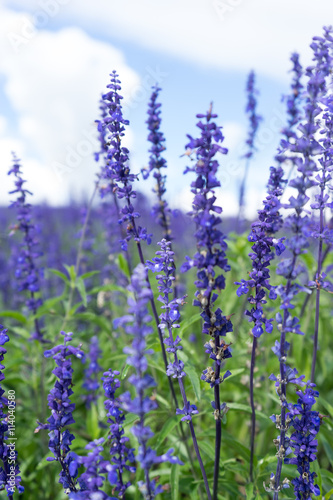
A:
(27, 272)
(116, 170)
(164, 262)
(210, 257)
(211, 243)
(306, 424)
(251, 109)
(254, 118)
(118, 450)
(137, 324)
(263, 251)
(307, 148)
(62, 411)
(91, 378)
(160, 211)
(91, 481)
(9, 471)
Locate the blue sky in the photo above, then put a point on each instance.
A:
(55, 57)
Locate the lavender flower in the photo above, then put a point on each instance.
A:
(91, 481)
(322, 232)
(263, 250)
(160, 211)
(116, 169)
(62, 411)
(210, 256)
(9, 474)
(27, 273)
(164, 262)
(118, 450)
(293, 100)
(91, 374)
(307, 148)
(254, 118)
(137, 324)
(306, 424)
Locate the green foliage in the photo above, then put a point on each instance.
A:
(78, 309)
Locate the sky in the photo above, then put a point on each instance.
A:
(55, 61)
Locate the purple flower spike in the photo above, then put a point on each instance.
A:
(28, 274)
(306, 424)
(91, 374)
(160, 211)
(136, 325)
(7, 446)
(120, 454)
(210, 258)
(116, 170)
(263, 250)
(62, 412)
(254, 119)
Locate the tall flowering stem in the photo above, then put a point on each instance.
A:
(106, 184)
(28, 273)
(306, 424)
(137, 325)
(160, 210)
(164, 262)
(9, 474)
(91, 481)
(294, 113)
(62, 411)
(307, 148)
(119, 452)
(210, 257)
(117, 170)
(263, 251)
(322, 233)
(254, 119)
(91, 374)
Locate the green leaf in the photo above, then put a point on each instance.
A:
(106, 288)
(208, 449)
(169, 425)
(246, 408)
(123, 265)
(125, 371)
(82, 290)
(195, 381)
(15, 315)
(71, 272)
(328, 407)
(187, 323)
(89, 274)
(130, 419)
(92, 422)
(249, 491)
(329, 495)
(174, 479)
(60, 274)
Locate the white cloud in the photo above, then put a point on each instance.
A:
(229, 34)
(53, 83)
